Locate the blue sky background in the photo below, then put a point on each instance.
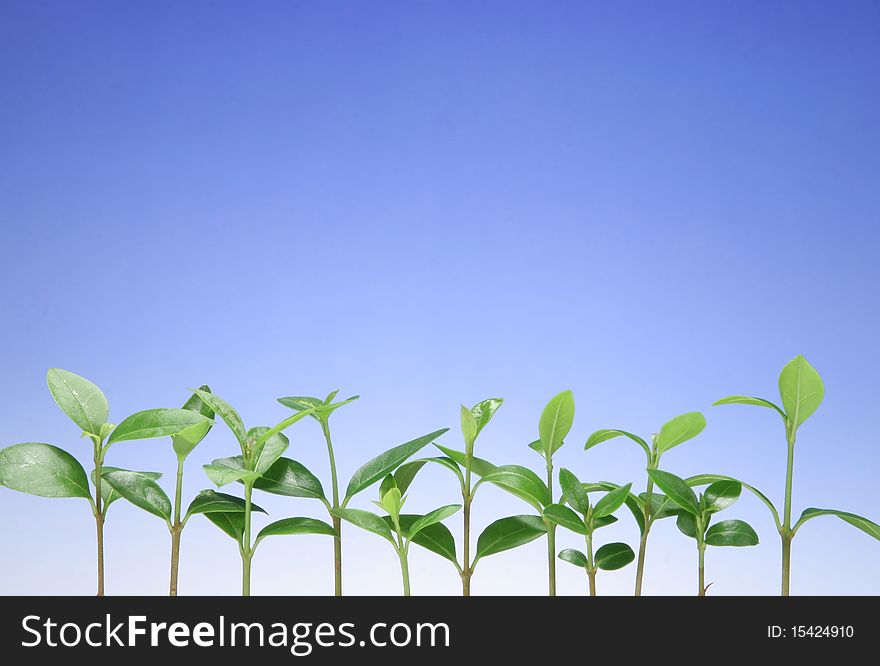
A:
(429, 203)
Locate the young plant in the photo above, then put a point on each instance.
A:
(674, 432)
(585, 518)
(142, 490)
(261, 448)
(322, 411)
(401, 530)
(801, 391)
(48, 471)
(696, 513)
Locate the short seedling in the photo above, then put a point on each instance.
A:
(261, 448)
(695, 515)
(674, 432)
(585, 518)
(401, 530)
(47, 471)
(801, 391)
(322, 411)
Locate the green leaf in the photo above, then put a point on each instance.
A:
(322, 408)
(367, 521)
(521, 482)
(227, 470)
(387, 462)
(679, 430)
(538, 446)
(507, 533)
(140, 490)
(291, 526)
(226, 412)
(479, 466)
(676, 489)
(687, 524)
(613, 556)
(437, 538)
(107, 493)
(612, 501)
(188, 439)
(432, 518)
(661, 506)
(604, 521)
(731, 533)
(556, 421)
(43, 470)
(391, 500)
(573, 491)
(635, 504)
(565, 517)
(387, 484)
(267, 449)
(468, 428)
(406, 473)
(484, 410)
(867, 526)
(152, 423)
(702, 479)
(750, 400)
(604, 435)
(721, 495)
(290, 478)
(210, 501)
(574, 556)
(271, 433)
(801, 390)
(81, 400)
(231, 523)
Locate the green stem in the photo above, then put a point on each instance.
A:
(643, 542)
(337, 523)
(246, 550)
(785, 532)
(701, 547)
(591, 567)
(551, 535)
(176, 530)
(466, 498)
(99, 516)
(402, 554)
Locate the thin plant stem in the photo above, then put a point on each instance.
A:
(246, 550)
(176, 530)
(785, 532)
(591, 567)
(701, 548)
(551, 535)
(99, 516)
(337, 522)
(466, 571)
(643, 542)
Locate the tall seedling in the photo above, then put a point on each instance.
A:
(261, 448)
(48, 471)
(801, 391)
(695, 515)
(674, 432)
(322, 411)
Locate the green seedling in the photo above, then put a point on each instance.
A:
(261, 449)
(401, 530)
(585, 518)
(48, 471)
(322, 411)
(695, 516)
(143, 491)
(801, 391)
(674, 432)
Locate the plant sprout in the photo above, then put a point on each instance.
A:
(674, 432)
(696, 513)
(322, 411)
(801, 391)
(48, 471)
(585, 518)
(398, 529)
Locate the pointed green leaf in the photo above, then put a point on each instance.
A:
(367, 521)
(484, 410)
(702, 479)
(636, 505)
(801, 390)
(661, 506)
(573, 491)
(507, 533)
(613, 556)
(43, 470)
(140, 490)
(231, 523)
(479, 466)
(687, 524)
(574, 556)
(750, 400)
(610, 433)
(867, 526)
(565, 517)
(521, 482)
(612, 501)
(432, 518)
(676, 489)
(226, 412)
(188, 439)
(679, 430)
(290, 478)
(267, 449)
(721, 495)
(437, 538)
(81, 400)
(406, 473)
(271, 433)
(210, 501)
(152, 423)
(292, 526)
(108, 494)
(227, 470)
(387, 462)
(468, 428)
(556, 421)
(731, 533)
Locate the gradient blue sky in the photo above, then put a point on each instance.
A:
(429, 203)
